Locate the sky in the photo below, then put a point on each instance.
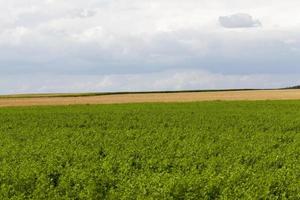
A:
(133, 45)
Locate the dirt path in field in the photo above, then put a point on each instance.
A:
(154, 97)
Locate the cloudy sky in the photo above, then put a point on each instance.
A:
(133, 45)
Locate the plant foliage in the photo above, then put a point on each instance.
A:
(207, 150)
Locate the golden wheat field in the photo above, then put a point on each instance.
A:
(151, 97)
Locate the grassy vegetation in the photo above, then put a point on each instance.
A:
(207, 150)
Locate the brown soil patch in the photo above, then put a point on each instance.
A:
(154, 97)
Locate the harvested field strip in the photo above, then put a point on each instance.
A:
(154, 97)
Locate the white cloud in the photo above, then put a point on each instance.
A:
(13, 36)
(83, 13)
(93, 34)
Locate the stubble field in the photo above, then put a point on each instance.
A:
(66, 99)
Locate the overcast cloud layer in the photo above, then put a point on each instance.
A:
(114, 45)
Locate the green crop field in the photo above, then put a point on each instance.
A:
(206, 150)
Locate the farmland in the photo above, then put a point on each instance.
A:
(142, 97)
(204, 150)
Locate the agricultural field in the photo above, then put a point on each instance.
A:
(150, 97)
(204, 150)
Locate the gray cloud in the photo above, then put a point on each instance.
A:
(164, 80)
(97, 51)
(103, 37)
(240, 20)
